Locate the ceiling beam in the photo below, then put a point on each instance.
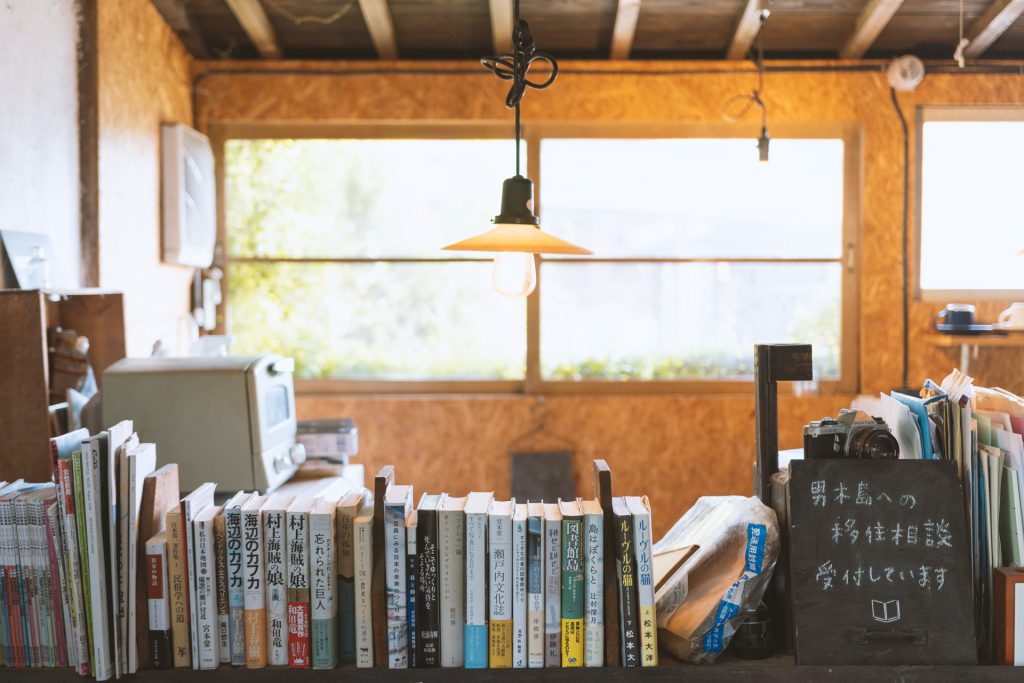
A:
(254, 21)
(996, 18)
(746, 30)
(382, 32)
(501, 25)
(873, 18)
(176, 16)
(624, 32)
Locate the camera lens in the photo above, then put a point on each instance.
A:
(873, 444)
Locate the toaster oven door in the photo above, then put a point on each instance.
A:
(272, 407)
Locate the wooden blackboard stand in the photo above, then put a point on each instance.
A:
(378, 587)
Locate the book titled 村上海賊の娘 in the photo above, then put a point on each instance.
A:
(300, 653)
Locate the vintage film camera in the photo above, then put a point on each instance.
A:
(851, 435)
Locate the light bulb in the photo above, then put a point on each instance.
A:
(514, 274)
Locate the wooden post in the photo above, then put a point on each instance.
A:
(603, 493)
(378, 588)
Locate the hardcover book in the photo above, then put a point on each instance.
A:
(625, 569)
(221, 584)
(276, 590)
(552, 585)
(428, 611)
(640, 508)
(254, 601)
(206, 589)
(535, 584)
(160, 493)
(499, 536)
(397, 504)
(233, 556)
(159, 605)
(572, 583)
(362, 557)
(475, 640)
(593, 594)
(297, 540)
(177, 575)
(323, 574)
(451, 574)
(347, 510)
(519, 637)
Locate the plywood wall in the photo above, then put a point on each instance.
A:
(674, 448)
(144, 80)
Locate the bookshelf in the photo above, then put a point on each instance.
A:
(970, 344)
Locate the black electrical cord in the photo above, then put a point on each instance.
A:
(906, 207)
(515, 66)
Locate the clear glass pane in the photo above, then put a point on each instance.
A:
(971, 223)
(694, 198)
(684, 320)
(361, 198)
(379, 321)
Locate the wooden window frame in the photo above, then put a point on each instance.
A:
(953, 113)
(533, 133)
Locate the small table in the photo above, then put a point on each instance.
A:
(967, 342)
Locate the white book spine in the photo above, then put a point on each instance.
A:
(594, 590)
(276, 590)
(253, 581)
(206, 596)
(102, 667)
(519, 638)
(451, 573)
(553, 594)
(363, 579)
(159, 607)
(123, 483)
(190, 557)
(643, 541)
(535, 591)
(323, 572)
(236, 581)
(395, 561)
(476, 649)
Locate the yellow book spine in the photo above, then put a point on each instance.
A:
(255, 638)
(572, 642)
(500, 644)
(648, 636)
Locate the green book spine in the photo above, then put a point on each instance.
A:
(83, 552)
(572, 591)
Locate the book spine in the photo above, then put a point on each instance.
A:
(103, 666)
(299, 647)
(428, 640)
(394, 550)
(594, 592)
(188, 538)
(362, 578)
(572, 592)
(411, 573)
(59, 589)
(625, 567)
(452, 581)
(276, 590)
(206, 596)
(552, 594)
(519, 637)
(501, 586)
(236, 589)
(323, 575)
(254, 602)
(476, 646)
(346, 585)
(5, 600)
(221, 565)
(65, 475)
(83, 560)
(28, 565)
(643, 541)
(122, 549)
(8, 560)
(159, 606)
(535, 591)
(177, 580)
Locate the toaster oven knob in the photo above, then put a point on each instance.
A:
(297, 454)
(282, 463)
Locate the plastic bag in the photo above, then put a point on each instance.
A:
(720, 585)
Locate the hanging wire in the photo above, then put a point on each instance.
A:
(730, 111)
(299, 19)
(515, 66)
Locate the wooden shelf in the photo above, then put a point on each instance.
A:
(780, 669)
(1011, 340)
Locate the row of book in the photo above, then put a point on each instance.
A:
(88, 560)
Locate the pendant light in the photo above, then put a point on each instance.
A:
(516, 235)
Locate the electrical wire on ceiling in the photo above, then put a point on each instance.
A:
(737, 106)
(299, 19)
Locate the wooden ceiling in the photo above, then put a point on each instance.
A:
(595, 29)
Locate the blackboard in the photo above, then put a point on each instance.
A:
(879, 563)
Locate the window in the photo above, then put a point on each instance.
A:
(333, 257)
(970, 226)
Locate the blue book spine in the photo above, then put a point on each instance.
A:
(410, 575)
(476, 646)
(347, 616)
